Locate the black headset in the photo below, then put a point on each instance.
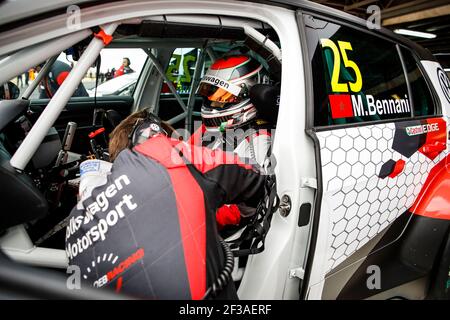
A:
(145, 128)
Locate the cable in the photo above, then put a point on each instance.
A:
(225, 274)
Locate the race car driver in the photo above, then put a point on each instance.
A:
(149, 230)
(231, 121)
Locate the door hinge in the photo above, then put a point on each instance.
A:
(297, 273)
(308, 183)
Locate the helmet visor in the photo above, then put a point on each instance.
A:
(218, 90)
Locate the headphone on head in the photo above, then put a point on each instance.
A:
(144, 129)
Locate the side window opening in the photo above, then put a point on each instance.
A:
(357, 77)
(420, 91)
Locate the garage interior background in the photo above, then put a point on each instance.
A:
(429, 16)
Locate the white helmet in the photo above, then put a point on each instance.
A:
(225, 90)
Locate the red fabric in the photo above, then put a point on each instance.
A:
(230, 62)
(119, 285)
(190, 207)
(119, 72)
(191, 212)
(211, 159)
(196, 138)
(167, 150)
(228, 215)
(341, 106)
(61, 77)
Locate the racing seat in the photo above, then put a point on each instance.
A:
(113, 118)
(266, 99)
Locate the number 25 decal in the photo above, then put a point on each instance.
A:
(343, 47)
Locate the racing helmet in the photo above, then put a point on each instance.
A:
(225, 91)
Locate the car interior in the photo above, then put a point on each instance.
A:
(37, 200)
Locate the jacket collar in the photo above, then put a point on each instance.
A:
(164, 150)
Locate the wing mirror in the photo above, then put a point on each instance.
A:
(9, 91)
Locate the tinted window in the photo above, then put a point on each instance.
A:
(357, 77)
(421, 95)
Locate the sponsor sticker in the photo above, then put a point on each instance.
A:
(422, 129)
(89, 166)
(226, 85)
(120, 268)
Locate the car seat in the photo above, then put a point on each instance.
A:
(266, 99)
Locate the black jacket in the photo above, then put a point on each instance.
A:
(150, 231)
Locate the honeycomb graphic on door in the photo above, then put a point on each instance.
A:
(362, 203)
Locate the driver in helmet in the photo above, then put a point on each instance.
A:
(231, 121)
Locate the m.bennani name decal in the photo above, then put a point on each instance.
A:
(352, 105)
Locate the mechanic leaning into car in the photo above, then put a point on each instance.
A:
(150, 231)
(231, 120)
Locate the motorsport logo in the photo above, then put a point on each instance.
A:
(348, 106)
(119, 269)
(111, 210)
(422, 129)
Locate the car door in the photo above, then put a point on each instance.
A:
(380, 131)
(114, 92)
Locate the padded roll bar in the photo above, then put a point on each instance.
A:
(37, 133)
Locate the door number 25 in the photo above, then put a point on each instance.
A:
(336, 86)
